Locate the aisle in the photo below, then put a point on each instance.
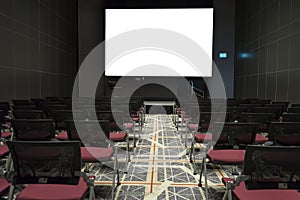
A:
(159, 168)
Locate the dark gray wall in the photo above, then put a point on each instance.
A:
(267, 47)
(90, 26)
(38, 51)
(91, 33)
(224, 41)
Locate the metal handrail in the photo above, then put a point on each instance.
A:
(198, 92)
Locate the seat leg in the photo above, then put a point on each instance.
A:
(185, 138)
(205, 178)
(235, 170)
(192, 152)
(118, 177)
(127, 156)
(116, 169)
(228, 192)
(9, 165)
(181, 132)
(113, 193)
(11, 192)
(92, 195)
(140, 125)
(114, 177)
(140, 130)
(201, 171)
(225, 196)
(134, 140)
(204, 170)
(127, 148)
(192, 158)
(86, 167)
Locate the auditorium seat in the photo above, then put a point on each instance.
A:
(95, 146)
(227, 147)
(269, 172)
(64, 181)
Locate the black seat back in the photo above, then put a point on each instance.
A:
(285, 133)
(29, 114)
(88, 132)
(5, 107)
(45, 162)
(294, 110)
(24, 107)
(272, 167)
(291, 117)
(233, 134)
(255, 117)
(34, 129)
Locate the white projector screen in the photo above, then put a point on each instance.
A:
(195, 24)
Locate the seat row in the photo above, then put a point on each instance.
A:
(34, 144)
(261, 139)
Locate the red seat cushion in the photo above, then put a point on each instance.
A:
(260, 139)
(62, 136)
(136, 119)
(200, 137)
(128, 125)
(54, 191)
(4, 185)
(3, 150)
(242, 193)
(227, 156)
(95, 154)
(6, 134)
(208, 137)
(193, 126)
(117, 136)
(226, 179)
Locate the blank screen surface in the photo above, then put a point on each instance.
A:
(194, 24)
